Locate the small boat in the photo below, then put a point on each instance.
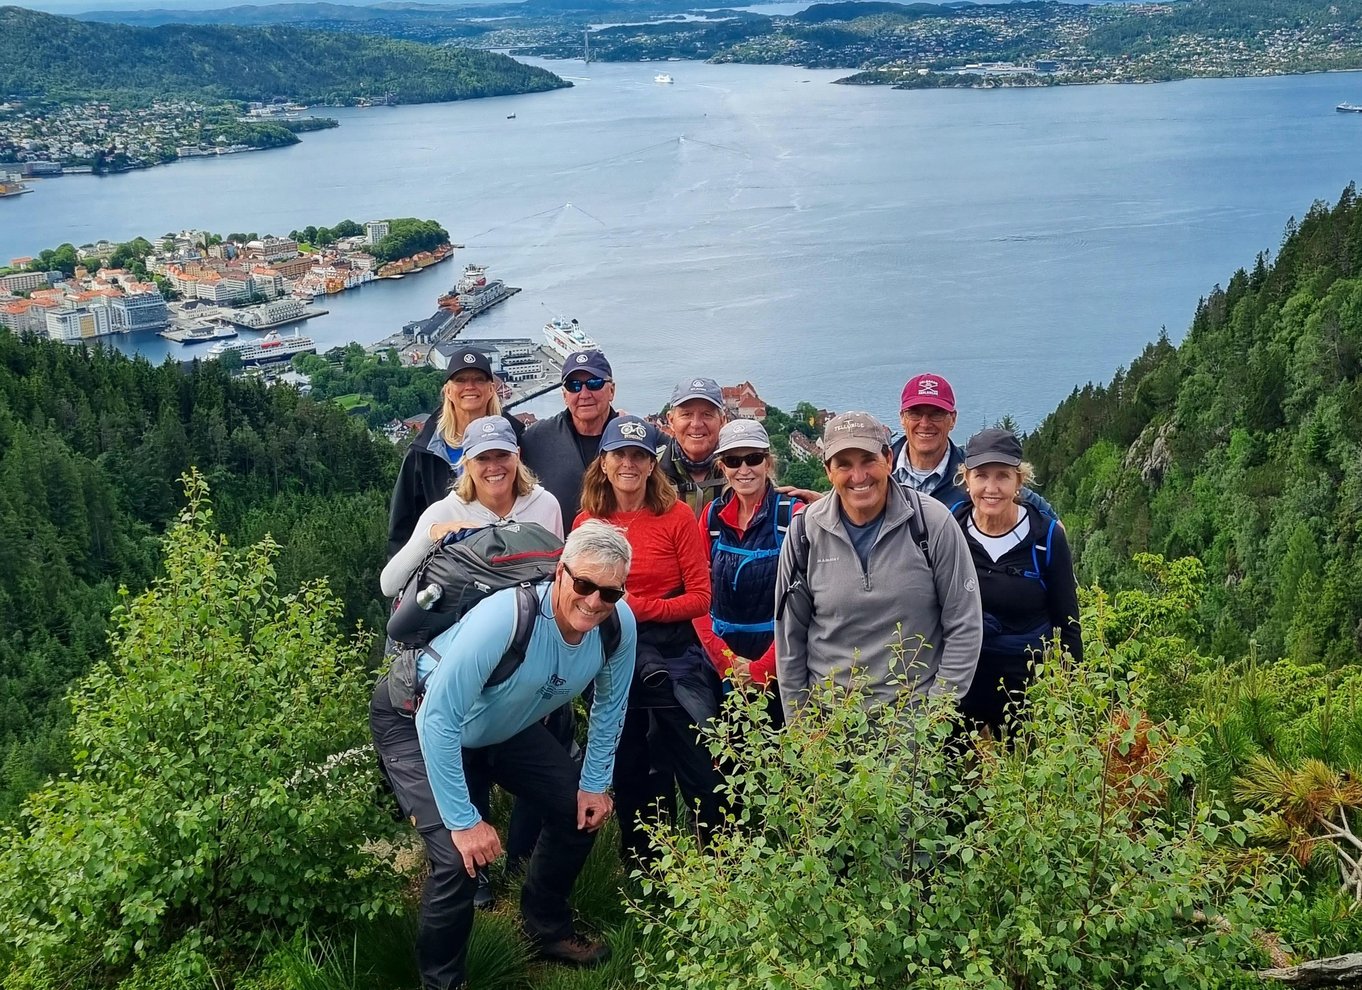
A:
(1349, 108)
(662, 77)
(510, 116)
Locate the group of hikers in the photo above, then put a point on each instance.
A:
(686, 574)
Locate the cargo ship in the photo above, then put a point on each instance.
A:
(268, 349)
(565, 336)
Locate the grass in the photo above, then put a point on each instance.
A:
(354, 402)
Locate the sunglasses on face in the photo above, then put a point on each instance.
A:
(735, 461)
(575, 385)
(587, 588)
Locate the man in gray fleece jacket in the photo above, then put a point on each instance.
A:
(868, 586)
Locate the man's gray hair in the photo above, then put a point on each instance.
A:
(599, 542)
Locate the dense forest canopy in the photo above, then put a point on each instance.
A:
(91, 445)
(1242, 446)
(48, 57)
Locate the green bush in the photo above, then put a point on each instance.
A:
(868, 851)
(207, 800)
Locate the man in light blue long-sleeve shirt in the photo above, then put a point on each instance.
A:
(467, 732)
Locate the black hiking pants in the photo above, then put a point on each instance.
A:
(533, 766)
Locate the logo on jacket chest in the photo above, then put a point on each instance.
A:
(552, 687)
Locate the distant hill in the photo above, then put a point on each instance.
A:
(820, 12)
(43, 56)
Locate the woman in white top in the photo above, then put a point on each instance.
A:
(494, 486)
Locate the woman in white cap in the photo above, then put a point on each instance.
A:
(743, 530)
(432, 462)
(674, 688)
(1026, 578)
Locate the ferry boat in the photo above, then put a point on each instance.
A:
(200, 334)
(1349, 108)
(662, 77)
(565, 336)
(268, 349)
(474, 292)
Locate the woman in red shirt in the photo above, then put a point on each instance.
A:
(675, 688)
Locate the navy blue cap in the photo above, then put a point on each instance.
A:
(629, 431)
(592, 362)
(468, 357)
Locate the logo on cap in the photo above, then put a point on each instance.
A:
(698, 383)
(635, 431)
(581, 359)
(928, 386)
(489, 427)
(470, 358)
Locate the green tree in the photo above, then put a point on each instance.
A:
(212, 792)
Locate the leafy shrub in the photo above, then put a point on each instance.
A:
(868, 851)
(206, 796)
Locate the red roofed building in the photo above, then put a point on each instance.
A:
(742, 401)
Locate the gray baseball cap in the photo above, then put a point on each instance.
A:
(741, 434)
(489, 433)
(853, 431)
(698, 388)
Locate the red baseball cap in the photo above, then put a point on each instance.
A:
(928, 390)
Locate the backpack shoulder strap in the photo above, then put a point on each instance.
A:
(917, 526)
(710, 523)
(611, 634)
(526, 612)
(799, 527)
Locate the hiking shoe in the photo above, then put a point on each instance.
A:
(575, 951)
(483, 898)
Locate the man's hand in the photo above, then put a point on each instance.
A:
(593, 810)
(807, 495)
(479, 846)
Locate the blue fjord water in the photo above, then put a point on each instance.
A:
(756, 222)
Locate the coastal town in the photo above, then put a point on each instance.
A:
(194, 286)
(39, 140)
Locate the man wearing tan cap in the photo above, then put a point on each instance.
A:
(866, 568)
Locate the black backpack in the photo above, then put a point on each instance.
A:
(406, 689)
(457, 574)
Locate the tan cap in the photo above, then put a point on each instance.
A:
(853, 431)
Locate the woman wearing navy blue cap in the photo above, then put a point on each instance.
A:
(1026, 578)
(432, 461)
(674, 689)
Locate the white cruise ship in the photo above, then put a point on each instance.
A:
(268, 349)
(565, 336)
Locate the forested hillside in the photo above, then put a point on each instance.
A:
(91, 445)
(47, 57)
(1242, 446)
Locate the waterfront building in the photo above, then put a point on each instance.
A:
(24, 281)
(140, 311)
(79, 324)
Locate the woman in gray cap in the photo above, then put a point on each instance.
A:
(495, 485)
(743, 530)
(1026, 578)
(432, 462)
(674, 688)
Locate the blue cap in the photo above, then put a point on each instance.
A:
(629, 431)
(698, 388)
(592, 362)
(489, 433)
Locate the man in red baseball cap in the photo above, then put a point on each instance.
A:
(925, 458)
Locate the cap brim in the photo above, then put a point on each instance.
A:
(744, 444)
(484, 446)
(979, 460)
(621, 444)
(851, 443)
(935, 401)
(687, 398)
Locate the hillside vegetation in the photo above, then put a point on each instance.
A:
(1242, 446)
(48, 57)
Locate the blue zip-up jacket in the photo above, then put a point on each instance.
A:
(459, 712)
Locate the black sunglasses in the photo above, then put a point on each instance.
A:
(587, 588)
(575, 385)
(735, 461)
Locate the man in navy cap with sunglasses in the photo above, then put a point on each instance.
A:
(558, 449)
